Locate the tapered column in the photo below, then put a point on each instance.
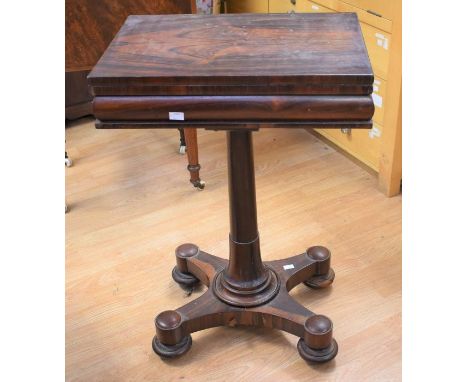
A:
(245, 270)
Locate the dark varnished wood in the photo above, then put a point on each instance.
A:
(244, 290)
(233, 125)
(91, 25)
(235, 71)
(239, 73)
(235, 108)
(282, 312)
(231, 50)
(89, 28)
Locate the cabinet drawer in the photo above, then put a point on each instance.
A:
(363, 15)
(362, 144)
(378, 46)
(307, 6)
(380, 88)
(247, 6)
(282, 6)
(383, 8)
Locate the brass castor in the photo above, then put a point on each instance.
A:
(199, 184)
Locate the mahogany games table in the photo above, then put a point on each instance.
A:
(239, 73)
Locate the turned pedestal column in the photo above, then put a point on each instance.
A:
(244, 290)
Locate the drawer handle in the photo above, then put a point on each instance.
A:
(293, 2)
(374, 13)
(346, 130)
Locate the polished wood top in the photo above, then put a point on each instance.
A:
(90, 25)
(273, 53)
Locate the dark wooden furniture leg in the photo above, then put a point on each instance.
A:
(244, 290)
(182, 145)
(190, 135)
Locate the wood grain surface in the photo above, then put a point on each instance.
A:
(235, 108)
(127, 215)
(91, 25)
(236, 49)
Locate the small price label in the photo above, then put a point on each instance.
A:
(176, 116)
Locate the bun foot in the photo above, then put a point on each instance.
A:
(172, 351)
(317, 355)
(321, 281)
(185, 280)
(318, 344)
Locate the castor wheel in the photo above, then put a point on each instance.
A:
(180, 273)
(318, 344)
(324, 275)
(68, 162)
(321, 281)
(182, 149)
(185, 280)
(200, 185)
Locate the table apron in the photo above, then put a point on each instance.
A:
(233, 108)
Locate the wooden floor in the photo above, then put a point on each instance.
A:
(131, 204)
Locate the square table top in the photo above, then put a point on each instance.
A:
(235, 71)
(307, 53)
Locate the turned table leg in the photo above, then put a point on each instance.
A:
(244, 290)
(190, 135)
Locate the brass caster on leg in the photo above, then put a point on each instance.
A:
(318, 344)
(199, 185)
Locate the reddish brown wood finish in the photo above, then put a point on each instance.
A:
(235, 108)
(89, 28)
(91, 25)
(235, 71)
(239, 73)
(316, 343)
(273, 51)
(192, 155)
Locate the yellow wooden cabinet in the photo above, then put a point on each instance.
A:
(379, 148)
(282, 6)
(378, 46)
(360, 143)
(381, 8)
(307, 6)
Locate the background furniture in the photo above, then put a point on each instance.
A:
(89, 28)
(379, 148)
(329, 87)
